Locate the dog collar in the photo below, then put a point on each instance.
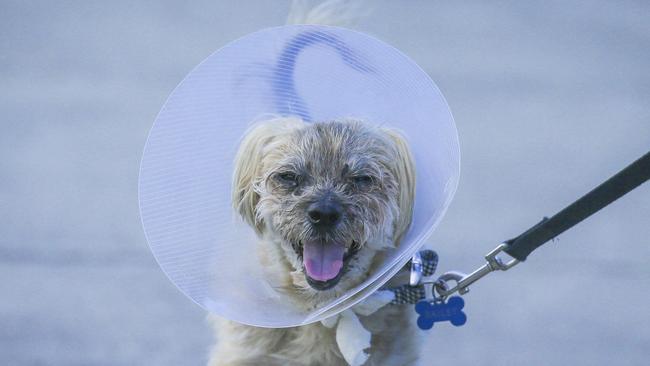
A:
(413, 292)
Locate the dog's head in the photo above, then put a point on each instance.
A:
(326, 198)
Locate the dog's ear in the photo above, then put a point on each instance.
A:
(248, 175)
(404, 171)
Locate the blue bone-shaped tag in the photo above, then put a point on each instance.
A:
(431, 312)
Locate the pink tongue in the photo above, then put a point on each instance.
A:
(323, 261)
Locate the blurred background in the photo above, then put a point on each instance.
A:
(550, 99)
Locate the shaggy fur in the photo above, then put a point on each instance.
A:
(283, 167)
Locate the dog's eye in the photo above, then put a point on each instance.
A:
(288, 178)
(362, 180)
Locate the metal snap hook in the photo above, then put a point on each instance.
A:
(493, 263)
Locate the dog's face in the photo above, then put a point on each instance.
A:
(326, 196)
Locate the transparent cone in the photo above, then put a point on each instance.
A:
(314, 72)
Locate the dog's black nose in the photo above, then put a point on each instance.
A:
(324, 213)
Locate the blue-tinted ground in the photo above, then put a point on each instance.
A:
(550, 98)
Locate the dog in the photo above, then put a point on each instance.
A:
(326, 199)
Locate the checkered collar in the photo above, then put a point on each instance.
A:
(407, 294)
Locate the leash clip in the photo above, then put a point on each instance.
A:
(463, 281)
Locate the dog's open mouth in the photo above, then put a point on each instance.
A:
(324, 262)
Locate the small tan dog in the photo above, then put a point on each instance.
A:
(325, 199)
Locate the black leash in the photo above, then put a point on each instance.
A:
(521, 246)
(432, 298)
(612, 189)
